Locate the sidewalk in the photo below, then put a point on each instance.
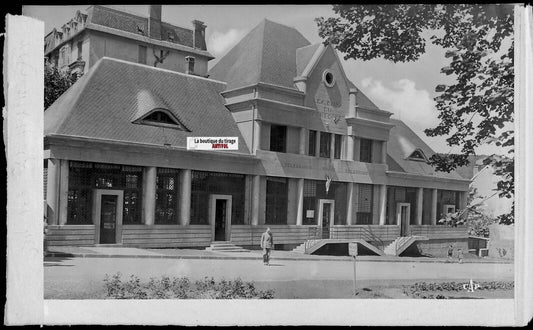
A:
(129, 252)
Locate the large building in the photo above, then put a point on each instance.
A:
(106, 32)
(316, 158)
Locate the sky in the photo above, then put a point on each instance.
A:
(405, 89)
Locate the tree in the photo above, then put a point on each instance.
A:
(56, 83)
(473, 216)
(478, 107)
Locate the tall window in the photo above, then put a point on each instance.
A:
(142, 54)
(310, 202)
(84, 177)
(276, 201)
(338, 146)
(166, 197)
(80, 47)
(365, 154)
(204, 184)
(325, 144)
(364, 205)
(278, 138)
(311, 151)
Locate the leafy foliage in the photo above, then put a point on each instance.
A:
(181, 288)
(56, 82)
(476, 109)
(473, 216)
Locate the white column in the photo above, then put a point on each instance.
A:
(384, 152)
(382, 204)
(248, 199)
(185, 197)
(434, 206)
(349, 144)
(300, 201)
(149, 190)
(257, 136)
(52, 192)
(352, 102)
(63, 192)
(301, 148)
(349, 203)
(256, 186)
(419, 205)
(356, 149)
(463, 200)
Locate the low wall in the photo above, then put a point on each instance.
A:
(501, 243)
(439, 231)
(248, 235)
(378, 235)
(71, 235)
(166, 236)
(439, 247)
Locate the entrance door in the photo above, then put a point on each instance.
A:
(220, 217)
(220, 220)
(108, 219)
(403, 217)
(107, 216)
(325, 215)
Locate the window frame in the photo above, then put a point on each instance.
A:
(327, 152)
(280, 146)
(365, 154)
(311, 143)
(337, 151)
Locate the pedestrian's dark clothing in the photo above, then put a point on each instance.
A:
(267, 243)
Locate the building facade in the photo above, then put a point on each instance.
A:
(316, 158)
(106, 32)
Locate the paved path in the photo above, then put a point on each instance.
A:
(128, 252)
(74, 277)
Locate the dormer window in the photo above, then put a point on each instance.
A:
(159, 117)
(162, 118)
(418, 155)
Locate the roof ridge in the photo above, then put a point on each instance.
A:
(158, 69)
(260, 68)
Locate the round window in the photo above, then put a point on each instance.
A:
(328, 78)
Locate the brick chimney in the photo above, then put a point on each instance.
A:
(198, 35)
(154, 22)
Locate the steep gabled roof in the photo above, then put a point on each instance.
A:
(104, 103)
(402, 143)
(266, 54)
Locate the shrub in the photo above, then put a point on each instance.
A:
(181, 288)
(421, 289)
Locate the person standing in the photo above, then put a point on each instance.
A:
(450, 253)
(267, 243)
(460, 255)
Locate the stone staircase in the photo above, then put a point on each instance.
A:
(301, 248)
(315, 244)
(225, 247)
(401, 243)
